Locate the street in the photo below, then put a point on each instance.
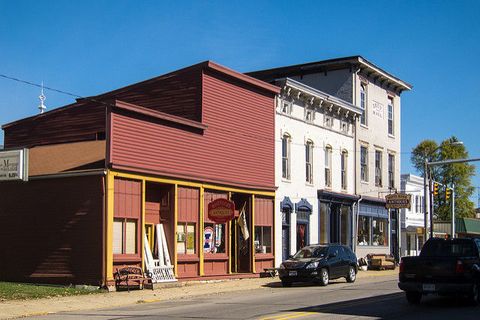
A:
(373, 298)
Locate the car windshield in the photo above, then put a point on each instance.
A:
(311, 252)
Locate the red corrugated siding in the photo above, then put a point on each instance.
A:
(54, 232)
(237, 148)
(263, 211)
(128, 198)
(77, 123)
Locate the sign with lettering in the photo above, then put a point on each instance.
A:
(398, 201)
(221, 210)
(377, 109)
(14, 165)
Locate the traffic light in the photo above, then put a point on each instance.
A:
(448, 193)
(435, 188)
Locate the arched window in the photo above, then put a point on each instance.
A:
(309, 161)
(286, 141)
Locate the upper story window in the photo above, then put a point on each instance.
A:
(343, 167)
(390, 116)
(286, 107)
(328, 166)
(344, 126)
(378, 168)
(309, 115)
(363, 163)
(363, 104)
(328, 121)
(286, 141)
(309, 161)
(391, 171)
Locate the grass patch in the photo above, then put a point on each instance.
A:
(24, 291)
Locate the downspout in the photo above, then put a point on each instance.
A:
(356, 224)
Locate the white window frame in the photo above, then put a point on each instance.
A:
(391, 170)
(286, 107)
(363, 104)
(309, 115)
(364, 164)
(328, 166)
(343, 169)
(309, 162)
(390, 117)
(378, 168)
(328, 121)
(286, 152)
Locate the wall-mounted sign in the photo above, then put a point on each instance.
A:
(14, 165)
(398, 201)
(221, 210)
(377, 109)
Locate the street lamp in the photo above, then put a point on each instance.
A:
(426, 192)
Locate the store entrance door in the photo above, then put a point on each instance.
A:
(240, 247)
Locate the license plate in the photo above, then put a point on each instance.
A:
(428, 287)
(292, 273)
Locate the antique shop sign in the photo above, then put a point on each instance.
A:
(398, 201)
(221, 210)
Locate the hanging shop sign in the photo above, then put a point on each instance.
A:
(221, 210)
(14, 165)
(398, 201)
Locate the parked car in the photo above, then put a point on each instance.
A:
(319, 263)
(444, 267)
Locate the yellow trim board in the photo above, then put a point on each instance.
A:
(252, 234)
(109, 226)
(201, 231)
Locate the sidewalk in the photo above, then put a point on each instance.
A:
(180, 290)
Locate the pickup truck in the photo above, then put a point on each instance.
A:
(444, 267)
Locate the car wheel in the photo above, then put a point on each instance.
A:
(475, 296)
(352, 275)
(324, 277)
(286, 283)
(413, 297)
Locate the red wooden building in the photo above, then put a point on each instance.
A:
(105, 169)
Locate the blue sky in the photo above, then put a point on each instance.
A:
(89, 47)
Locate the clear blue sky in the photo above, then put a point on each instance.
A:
(89, 47)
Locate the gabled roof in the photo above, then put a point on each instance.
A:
(353, 62)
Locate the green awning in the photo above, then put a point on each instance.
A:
(468, 226)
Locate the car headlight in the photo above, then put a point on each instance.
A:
(282, 266)
(312, 265)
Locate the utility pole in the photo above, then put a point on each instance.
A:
(425, 202)
(453, 210)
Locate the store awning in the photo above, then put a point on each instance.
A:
(370, 210)
(469, 226)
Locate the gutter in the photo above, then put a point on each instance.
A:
(85, 173)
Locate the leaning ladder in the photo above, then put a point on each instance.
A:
(161, 269)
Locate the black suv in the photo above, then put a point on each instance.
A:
(319, 263)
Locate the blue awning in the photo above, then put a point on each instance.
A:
(370, 210)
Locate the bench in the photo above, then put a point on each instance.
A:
(130, 275)
(272, 272)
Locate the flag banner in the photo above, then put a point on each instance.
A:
(242, 222)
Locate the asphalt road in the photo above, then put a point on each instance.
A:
(377, 298)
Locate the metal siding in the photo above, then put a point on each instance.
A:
(129, 196)
(237, 148)
(52, 241)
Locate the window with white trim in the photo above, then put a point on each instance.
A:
(391, 171)
(328, 166)
(286, 107)
(390, 116)
(286, 140)
(378, 168)
(363, 103)
(309, 115)
(343, 166)
(309, 161)
(364, 163)
(328, 121)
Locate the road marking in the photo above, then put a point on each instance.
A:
(286, 316)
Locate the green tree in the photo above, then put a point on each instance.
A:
(459, 174)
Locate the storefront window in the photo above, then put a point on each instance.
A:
(214, 238)
(363, 231)
(345, 225)
(263, 239)
(379, 231)
(124, 236)
(185, 238)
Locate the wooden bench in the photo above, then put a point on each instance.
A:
(130, 275)
(272, 272)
